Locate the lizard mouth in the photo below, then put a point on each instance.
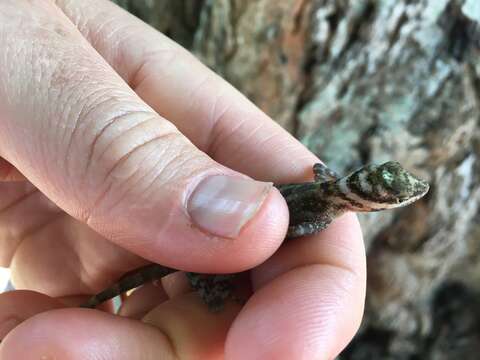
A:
(419, 191)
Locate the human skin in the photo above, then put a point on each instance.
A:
(106, 129)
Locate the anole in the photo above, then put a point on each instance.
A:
(312, 207)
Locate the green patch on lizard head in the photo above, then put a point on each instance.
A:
(393, 184)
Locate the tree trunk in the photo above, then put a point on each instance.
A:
(361, 81)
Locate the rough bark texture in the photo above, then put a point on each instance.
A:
(361, 81)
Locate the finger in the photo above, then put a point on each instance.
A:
(148, 296)
(20, 305)
(23, 210)
(176, 284)
(340, 245)
(105, 157)
(59, 256)
(9, 173)
(313, 320)
(209, 111)
(192, 328)
(309, 298)
(142, 300)
(170, 332)
(91, 335)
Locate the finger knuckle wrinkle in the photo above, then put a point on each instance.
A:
(122, 156)
(145, 133)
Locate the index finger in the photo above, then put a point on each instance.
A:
(216, 117)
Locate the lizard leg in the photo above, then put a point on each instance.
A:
(323, 173)
(214, 290)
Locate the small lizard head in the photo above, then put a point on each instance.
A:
(386, 186)
(400, 187)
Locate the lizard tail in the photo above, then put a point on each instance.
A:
(128, 282)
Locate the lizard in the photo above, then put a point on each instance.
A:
(312, 207)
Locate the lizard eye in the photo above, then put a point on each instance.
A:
(401, 187)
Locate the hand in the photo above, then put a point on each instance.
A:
(122, 145)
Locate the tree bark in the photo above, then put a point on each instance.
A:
(361, 81)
